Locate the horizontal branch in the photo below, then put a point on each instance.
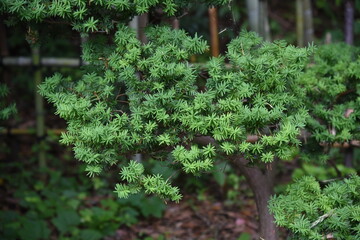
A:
(321, 218)
(28, 131)
(202, 140)
(44, 61)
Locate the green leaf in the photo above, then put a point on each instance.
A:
(33, 229)
(219, 174)
(244, 236)
(152, 206)
(90, 234)
(66, 220)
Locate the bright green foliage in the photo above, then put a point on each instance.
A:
(333, 90)
(148, 98)
(5, 110)
(312, 213)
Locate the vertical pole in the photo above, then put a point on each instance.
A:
(138, 23)
(175, 23)
(134, 24)
(258, 17)
(39, 107)
(142, 23)
(299, 23)
(214, 33)
(264, 26)
(349, 39)
(349, 22)
(253, 14)
(308, 22)
(328, 38)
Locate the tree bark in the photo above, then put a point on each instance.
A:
(214, 32)
(261, 183)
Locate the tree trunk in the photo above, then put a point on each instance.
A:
(261, 183)
(214, 32)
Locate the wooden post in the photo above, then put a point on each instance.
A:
(214, 33)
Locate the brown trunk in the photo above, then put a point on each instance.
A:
(214, 36)
(261, 183)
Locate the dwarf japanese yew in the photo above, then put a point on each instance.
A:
(148, 98)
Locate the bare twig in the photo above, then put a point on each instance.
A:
(321, 218)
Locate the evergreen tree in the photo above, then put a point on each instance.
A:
(147, 98)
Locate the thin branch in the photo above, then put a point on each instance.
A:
(120, 95)
(321, 218)
(124, 101)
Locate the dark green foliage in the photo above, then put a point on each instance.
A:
(313, 213)
(332, 89)
(66, 207)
